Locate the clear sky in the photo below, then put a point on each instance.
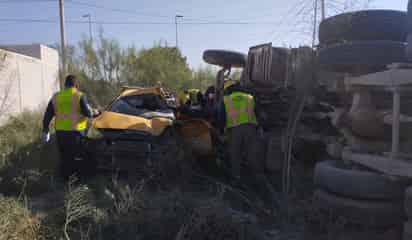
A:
(283, 22)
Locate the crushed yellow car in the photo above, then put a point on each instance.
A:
(135, 130)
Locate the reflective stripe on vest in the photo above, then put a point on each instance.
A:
(239, 109)
(68, 115)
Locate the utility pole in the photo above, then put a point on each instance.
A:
(90, 26)
(62, 39)
(322, 2)
(177, 37)
(315, 22)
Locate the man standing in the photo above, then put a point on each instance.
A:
(71, 111)
(236, 114)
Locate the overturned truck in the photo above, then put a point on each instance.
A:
(347, 102)
(283, 82)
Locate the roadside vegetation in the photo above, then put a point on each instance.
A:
(104, 66)
(36, 204)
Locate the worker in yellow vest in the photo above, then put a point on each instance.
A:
(195, 96)
(71, 111)
(183, 98)
(236, 116)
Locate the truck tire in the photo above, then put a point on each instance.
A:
(408, 203)
(407, 230)
(370, 55)
(409, 17)
(225, 58)
(364, 26)
(363, 212)
(356, 184)
(409, 47)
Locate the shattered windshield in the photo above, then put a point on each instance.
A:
(145, 105)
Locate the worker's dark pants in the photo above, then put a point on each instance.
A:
(72, 154)
(242, 142)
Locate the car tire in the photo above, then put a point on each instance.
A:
(356, 184)
(370, 56)
(362, 212)
(225, 58)
(364, 26)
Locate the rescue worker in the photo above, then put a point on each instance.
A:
(71, 111)
(236, 116)
(183, 98)
(195, 96)
(209, 103)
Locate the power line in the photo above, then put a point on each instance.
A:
(27, 20)
(27, 1)
(133, 12)
(303, 3)
(121, 10)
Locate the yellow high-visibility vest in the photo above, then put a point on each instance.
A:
(240, 109)
(193, 96)
(68, 116)
(182, 98)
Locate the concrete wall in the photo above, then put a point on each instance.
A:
(27, 81)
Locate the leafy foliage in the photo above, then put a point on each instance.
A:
(104, 66)
(164, 66)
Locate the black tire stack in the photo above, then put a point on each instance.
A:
(358, 196)
(409, 30)
(407, 227)
(359, 43)
(362, 42)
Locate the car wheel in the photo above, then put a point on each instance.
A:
(356, 184)
(364, 26)
(369, 56)
(224, 58)
(363, 212)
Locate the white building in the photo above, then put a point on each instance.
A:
(28, 77)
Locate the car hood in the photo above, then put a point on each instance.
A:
(118, 121)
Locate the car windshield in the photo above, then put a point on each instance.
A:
(140, 104)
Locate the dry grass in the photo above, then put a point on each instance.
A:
(217, 221)
(23, 158)
(17, 222)
(77, 205)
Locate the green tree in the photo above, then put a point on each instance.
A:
(163, 65)
(104, 66)
(204, 77)
(130, 69)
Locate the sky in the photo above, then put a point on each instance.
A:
(231, 24)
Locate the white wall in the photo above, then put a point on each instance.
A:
(29, 81)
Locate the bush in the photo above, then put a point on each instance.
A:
(25, 162)
(19, 131)
(17, 222)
